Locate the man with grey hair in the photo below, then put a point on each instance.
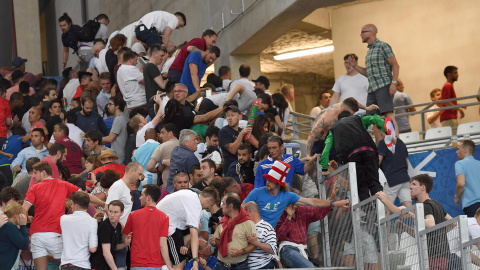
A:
(183, 157)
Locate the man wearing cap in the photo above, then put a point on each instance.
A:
(262, 83)
(275, 147)
(231, 136)
(194, 69)
(18, 63)
(17, 77)
(107, 158)
(274, 197)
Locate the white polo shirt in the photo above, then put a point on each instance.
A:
(160, 20)
(120, 191)
(79, 233)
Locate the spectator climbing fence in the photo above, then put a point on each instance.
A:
(364, 237)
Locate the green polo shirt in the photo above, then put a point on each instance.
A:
(379, 71)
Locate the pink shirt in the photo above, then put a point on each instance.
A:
(14, 89)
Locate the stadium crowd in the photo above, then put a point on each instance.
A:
(129, 162)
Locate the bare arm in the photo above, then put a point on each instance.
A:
(355, 65)
(395, 70)
(108, 256)
(320, 203)
(233, 147)
(433, 117)
(192, 49)
(310, 164)
(109, 139)
(264, 246)
(160, 82)
(238, 89)
(194, 246)
(384, 198)
(380, 158)
(460, 187)
(95, 200)
(65, 57)
(335, 98)
(164, 251)
(166, 35)
(429, 221)
(208, 116)
(151, 167)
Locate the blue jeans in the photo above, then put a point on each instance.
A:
(242, 266)
(292, 258)
(146, 268)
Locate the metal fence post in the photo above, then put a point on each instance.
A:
(382, 240)
(295, 127)
(355, 215)
(464, 237)
(421, 240)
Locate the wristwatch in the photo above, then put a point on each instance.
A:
(195, 259)
(395, 82)
(243, 252)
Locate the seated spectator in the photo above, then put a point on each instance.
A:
(231, 235)
(265, 241)
(242, 169)
(36, 149)
(13, 236)
(433, 118)
(260, 127)
(93, 141)
(242, 189)
(182, 157)
(195, 175)
(205, 259)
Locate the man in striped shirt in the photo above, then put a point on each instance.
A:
(265, 240)
(382, 70)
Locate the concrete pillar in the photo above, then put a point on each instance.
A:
(6, 51)
(237, 60)
(27, 26)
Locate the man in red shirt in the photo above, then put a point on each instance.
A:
(208, 39)
(5, 117)
(75, 161)
(49, 197)
(449, 117)
(242, 189)
(149, 239)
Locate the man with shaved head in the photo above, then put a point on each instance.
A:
(144, 153)
(382, 72)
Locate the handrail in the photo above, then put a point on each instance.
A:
(435, 102)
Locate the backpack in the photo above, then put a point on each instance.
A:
(88, 31)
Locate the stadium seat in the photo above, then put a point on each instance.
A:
(468, 128)
(410, 137)
(440, 132)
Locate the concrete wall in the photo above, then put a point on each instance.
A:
(425, 35)
(27, 27)
(6, 51)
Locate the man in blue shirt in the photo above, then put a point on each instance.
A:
(144, 153)
(274, 197)
(37, 149)
(87, 119)
(12, 146)
(194, 69)
(467, 170)
(275, 147)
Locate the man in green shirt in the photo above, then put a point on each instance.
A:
(353, 143)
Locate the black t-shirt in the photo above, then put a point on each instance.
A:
(106, 235)
(394, 166)
(185, 119)
(227, 135)
(150, 72)
(437, 241)
(111, 60)
(200, 185)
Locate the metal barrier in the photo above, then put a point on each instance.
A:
(472, 248)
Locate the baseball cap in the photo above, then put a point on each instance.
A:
(233, 108)
(18, 61)
(264, 80)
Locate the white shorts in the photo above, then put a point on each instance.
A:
(47, 243)
(368, 247)
(402, 191)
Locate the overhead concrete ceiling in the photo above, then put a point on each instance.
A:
(294, 40)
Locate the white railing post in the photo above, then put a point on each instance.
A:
(464, 237)
(421, 240)
(382, 239)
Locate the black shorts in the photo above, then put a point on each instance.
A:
(175, 242)
(382, 98)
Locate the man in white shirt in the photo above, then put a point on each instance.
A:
(120, 190)
(130, 81)
(157, 26)
(244, 71)
(352, 84)
(79, 234)
(71, 87)
(433, 118)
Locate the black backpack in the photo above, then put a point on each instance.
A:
(88, 31)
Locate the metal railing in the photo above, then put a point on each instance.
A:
(301, 124)
(364, 237)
